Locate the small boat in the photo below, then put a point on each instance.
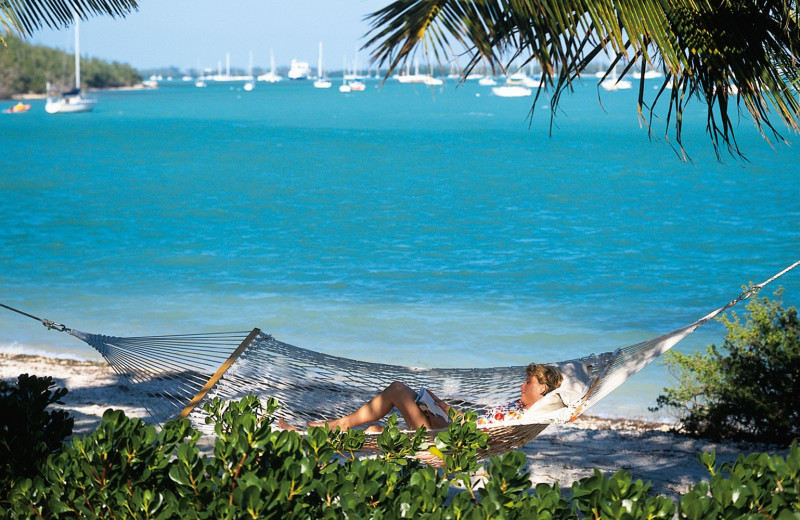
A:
(344, 87)
(249, 83)
(431, 81)
(357, 86)
(271, 76)
(321, 81)
(18, 108)
(73, 100)
(407, 77)
(511, 91)
(616, 84)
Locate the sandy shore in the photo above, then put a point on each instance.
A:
(562, 453)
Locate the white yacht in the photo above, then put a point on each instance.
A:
(299, 70)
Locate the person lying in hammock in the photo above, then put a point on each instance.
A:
(540, 380)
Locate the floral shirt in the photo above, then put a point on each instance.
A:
(507, 412)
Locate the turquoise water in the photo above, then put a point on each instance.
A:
(401, 224)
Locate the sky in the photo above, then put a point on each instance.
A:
(191, 34)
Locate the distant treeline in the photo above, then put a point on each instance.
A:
(26, 69)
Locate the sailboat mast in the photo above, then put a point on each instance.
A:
(77, 55)
(319, 61)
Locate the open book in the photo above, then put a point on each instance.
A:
(426, 403)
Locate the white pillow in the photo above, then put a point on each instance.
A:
(547, 404)
(575, 384)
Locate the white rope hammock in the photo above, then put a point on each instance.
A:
(176, 374)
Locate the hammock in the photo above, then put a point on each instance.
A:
(176, 374)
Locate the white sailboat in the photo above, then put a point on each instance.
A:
(249, 83)
(344, 87)
(512, 88)
(616, 84)
(271, 76)
(511, 91)
(322, 81)
(71, 101)
(407, 77)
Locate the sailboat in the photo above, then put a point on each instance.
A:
(271, 76)
(71, 101)
(249, 83)
(616, 84)
(512, 88)
(321, 82)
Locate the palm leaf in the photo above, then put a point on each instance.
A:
(26, 16)
(735, 55)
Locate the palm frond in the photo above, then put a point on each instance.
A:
(26, 16)
(735, 55)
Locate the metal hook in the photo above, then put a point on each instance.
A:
(54, 326)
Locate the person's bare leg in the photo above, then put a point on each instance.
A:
(397, 395)
(283, 425)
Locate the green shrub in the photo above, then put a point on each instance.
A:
(755, 486)
(29, 432)
(126, 469)
(749, 388)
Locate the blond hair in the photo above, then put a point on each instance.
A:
(547, 375)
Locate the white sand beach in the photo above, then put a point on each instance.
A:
(562, 453)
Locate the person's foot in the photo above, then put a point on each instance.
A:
(283, 425)
(331, 424)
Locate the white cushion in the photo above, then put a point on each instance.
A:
(549, 403)
(575, 384)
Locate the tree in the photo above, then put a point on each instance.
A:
(747, 389)
(736, 55)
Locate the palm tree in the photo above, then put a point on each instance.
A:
(736, 55)
(26, 16)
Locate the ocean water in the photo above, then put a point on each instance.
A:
(403, 224)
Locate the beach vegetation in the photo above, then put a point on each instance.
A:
(27, 69)
(749, 387)
(129, 469)
(30, 430)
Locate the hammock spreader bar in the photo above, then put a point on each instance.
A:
(220, 371)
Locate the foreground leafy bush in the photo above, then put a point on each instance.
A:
(749, 388)
(126, 469)
(29, 432)
(755, 486)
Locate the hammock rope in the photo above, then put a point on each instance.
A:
(175, 374)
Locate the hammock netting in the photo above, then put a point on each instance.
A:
(177, 374)
(172, 371)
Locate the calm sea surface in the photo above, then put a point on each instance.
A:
(402, 224)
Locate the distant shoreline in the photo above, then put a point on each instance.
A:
(33, 96)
